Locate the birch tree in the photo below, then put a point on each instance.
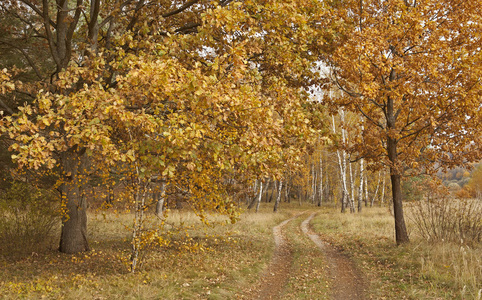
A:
(320, 185)
(278, 196)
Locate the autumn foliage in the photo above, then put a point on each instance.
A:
(206, 97)
(412, 70)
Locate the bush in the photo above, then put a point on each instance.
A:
(28, 216)
(446, 219)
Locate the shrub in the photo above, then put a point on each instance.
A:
(446, 219)
(28, 216)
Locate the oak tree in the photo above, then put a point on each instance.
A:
(412, 69)
(197, 96)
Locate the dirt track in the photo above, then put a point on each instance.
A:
(277, 273)
(346, 281)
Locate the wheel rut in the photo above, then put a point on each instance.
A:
(276, 276)
(346, 280)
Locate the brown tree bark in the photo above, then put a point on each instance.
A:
(73, 237)
(401, 235)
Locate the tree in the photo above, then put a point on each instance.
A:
(412, 69)
(196, 97)
(76, 32)
(475, 183)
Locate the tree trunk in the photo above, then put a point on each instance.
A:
(352, 190)
(382, 195)
(160, 201)
(360, 190)
(344, 201)
(320, 197)
(376, 190)
(287, 193)
(401, 235)
(260, 195)
(342, 164)
(253, 200)
(366, 189)
(278, 198)
(272, 191)
(73, 238)
(400, 229)
(313, 187)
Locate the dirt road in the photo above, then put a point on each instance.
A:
(346, 282)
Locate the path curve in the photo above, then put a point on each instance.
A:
(347, 282)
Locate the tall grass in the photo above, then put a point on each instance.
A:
(446, 219)
(28, 218)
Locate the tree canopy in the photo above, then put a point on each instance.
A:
(412, 70)
(197, 96)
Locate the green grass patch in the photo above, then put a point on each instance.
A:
(308, 279)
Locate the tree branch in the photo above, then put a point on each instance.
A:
(39, 12)
(6, 107)
(50, 38)
(369, 118)
(180, 9)
(30, 61)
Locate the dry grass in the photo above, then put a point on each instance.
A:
(224, 261)
(200, 262)
(419, 270)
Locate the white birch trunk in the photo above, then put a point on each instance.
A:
(352, 189)
(160, 201)
(366, 188)
(342, 164)
(382, 196)
(360, 190)
(376, 190)
(313, 187)
(320, 197)
(260, 195)
(252, 201)
(278, 197)
(349, 196)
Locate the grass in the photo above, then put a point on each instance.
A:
(226, 260)
(200, 262)
(418, 270)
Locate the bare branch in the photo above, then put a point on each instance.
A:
(38, 11)
(30, 61)
(50, 38)
(6, 107)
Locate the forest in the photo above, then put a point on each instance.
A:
(150, 149)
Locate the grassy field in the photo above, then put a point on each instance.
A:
(200, 262)
(419, 270)
(225, 261)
